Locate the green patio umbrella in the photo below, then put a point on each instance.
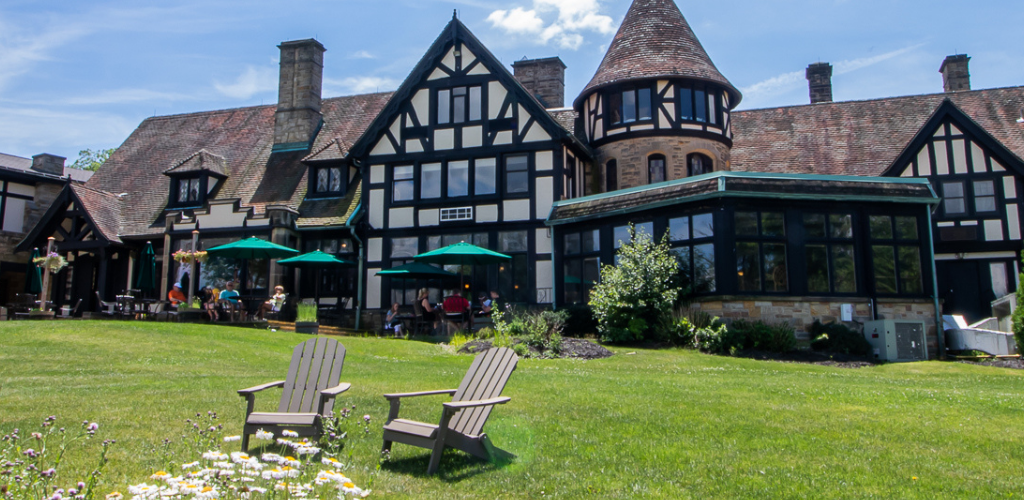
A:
(316, 260)
(34, 277)
(252, 248)
(146, 279)
(462, 254)
(416, 270)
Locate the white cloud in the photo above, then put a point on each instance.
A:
(359, 85)
(21, 49)
(30, 131)
(558, 22)
(843, 67)
(362, 54)
(251, 82)
(127, 95)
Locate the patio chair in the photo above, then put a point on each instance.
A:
(71, 312)
(107, 308)
(309, 391)
(462, 419)
(420, 324)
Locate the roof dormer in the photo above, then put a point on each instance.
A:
(195, 178)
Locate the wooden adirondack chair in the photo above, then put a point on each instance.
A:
(312, 380)
(462, 419)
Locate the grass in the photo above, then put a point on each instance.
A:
(642, 424)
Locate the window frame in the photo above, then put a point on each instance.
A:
(451, 99)
(690, 240)
(897, 243)
(615, 103)
(651, 159)
(611, 175)
(177, 182)
(695, 155)
(314, 181)
(707, 110)
(831, 240)
(507, 173)
(760, 240)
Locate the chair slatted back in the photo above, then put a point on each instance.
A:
(485, 379)
(316, 365)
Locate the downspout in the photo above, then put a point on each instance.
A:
(939, 333)
(362, 251)
(554, 270)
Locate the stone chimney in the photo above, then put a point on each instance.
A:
(819, 79)
(955, 76)
(544, 78)
(298, 98)
(48, 164)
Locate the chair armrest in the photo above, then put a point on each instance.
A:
(458, 405)
(399, 395)
(328, 394)
(258, 388)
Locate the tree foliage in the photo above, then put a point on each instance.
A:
(1018, 315)
(635, 297)
(91, 160)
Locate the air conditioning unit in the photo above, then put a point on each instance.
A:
(895, 340)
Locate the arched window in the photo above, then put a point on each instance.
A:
(611, 176)
(699, 164)
(656, 168)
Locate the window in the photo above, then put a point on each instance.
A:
(984, 196)
(895, 254)
(189, 192)
(620, 235)
(953, 198)
(656, 168)
(611, 176)
(696, 258)
(484, 176)
(698, 164)
(513, 275)
(517, 177)
(14, 200)
(582, 265)
(459, 105)
(453, 214)
(328, 180)
(699, 104)
(430, 180)
(402, 252)
(403, 189)
(630, 105)
(831, 264)
(458, 178)
(761, 252)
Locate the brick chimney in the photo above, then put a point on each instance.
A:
(819, 79)
(48, 164)
(298, 98)
(544, 78)
(955, 76)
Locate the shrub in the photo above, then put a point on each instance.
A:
(581, 321)
(1018, 315)
(542, 330)
(836, 337)
(485, 333)
(634, 300)
(521, 350)
(762, 336)
(711, 336)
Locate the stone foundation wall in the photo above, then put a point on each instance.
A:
(801, 312)
(631, 157)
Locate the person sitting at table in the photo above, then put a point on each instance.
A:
(429, 312)
(274, 304)
(229, 298)
(456, 304)
(392, 322)
(175, 296)
(210, 303)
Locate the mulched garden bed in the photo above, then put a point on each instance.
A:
(1015, 363)
(837, 360)
(571, 348)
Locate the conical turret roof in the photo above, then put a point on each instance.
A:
(655, 41)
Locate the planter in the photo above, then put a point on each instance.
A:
(311, 327)
(41, 315)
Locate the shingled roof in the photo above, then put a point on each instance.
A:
(655, 41)
(106, 210)
(244, 138)
(861, 137)
(200, 161)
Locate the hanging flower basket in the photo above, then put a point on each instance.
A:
(54, 262)
(186, 257)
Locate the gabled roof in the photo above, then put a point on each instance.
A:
(655, 41)
(105, 210)
(201, 161)
(243, 137)
(456, 31)
(862, 137)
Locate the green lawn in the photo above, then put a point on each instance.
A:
(642, 424)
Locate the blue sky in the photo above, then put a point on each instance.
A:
(77, 75)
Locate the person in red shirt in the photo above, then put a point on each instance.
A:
(176, 296)
(457, 304)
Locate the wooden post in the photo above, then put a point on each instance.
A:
(192, 266)
(46, 278)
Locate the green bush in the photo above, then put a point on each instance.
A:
(634, 300)
(581, 321)
(1018, 315)
(836, 337)
(485, 333)
(708, 336)
(542, 330)
(761, 336)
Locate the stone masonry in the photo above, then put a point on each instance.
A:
(299, 92)
(801, 312)
(544, 78)
(819, 81)
(955, 75)
(631, 156)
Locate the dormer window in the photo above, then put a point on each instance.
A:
(328, 181)
(188, 191)
(630, 105)
(194, 178)
(459, 105)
